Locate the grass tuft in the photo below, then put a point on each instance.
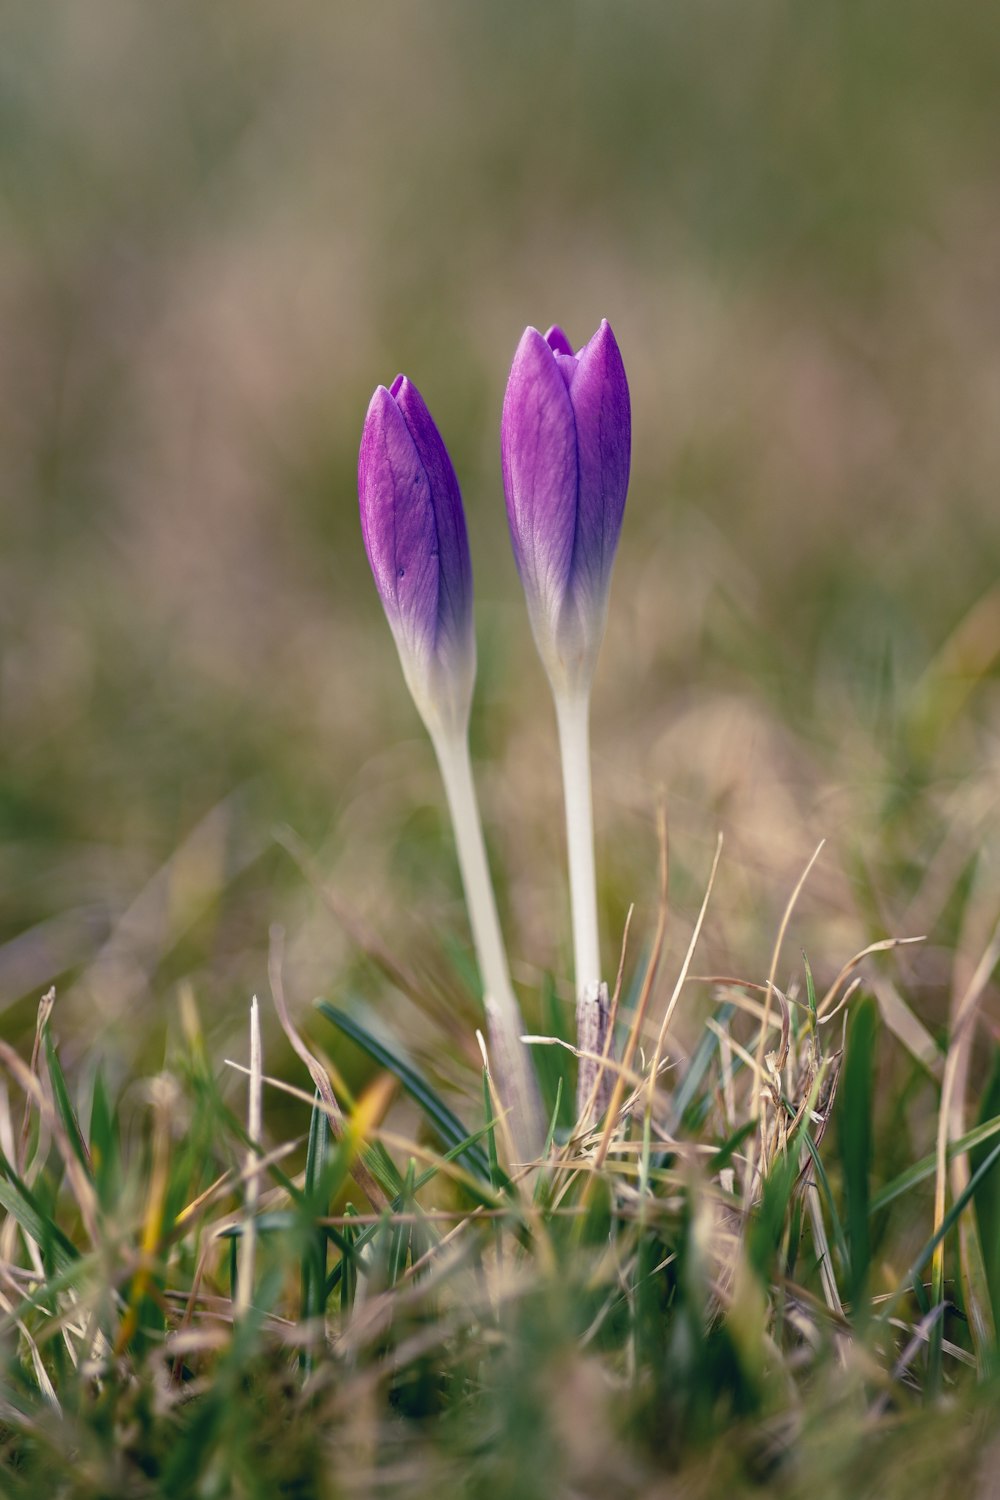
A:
(695, 1283)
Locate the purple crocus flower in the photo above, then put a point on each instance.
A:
(415, 537)
(566, 445)
(414, 531)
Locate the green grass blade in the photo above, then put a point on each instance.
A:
(447, 1124)
(555, 1066)
(810, 991)
(767, 1225)
(987, 1198)
(829, 1202)
(731, 1145)
(544, 1183)
(491, 1133)
(348, 1269)
(399, 1233)
(105, 1146)
(313, 1259)
(979, 1176)
(856, 1105)
(471, 1185)
(551, 1132)
(19, 1201)
(927, 1165)
(686, 1093)
(316, 1148)
(64, 1105)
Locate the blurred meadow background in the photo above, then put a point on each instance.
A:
(221, 226)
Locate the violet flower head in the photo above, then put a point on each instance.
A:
(565, 442)
(415, 537)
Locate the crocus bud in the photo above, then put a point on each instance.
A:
(565, 444)
(414, 531)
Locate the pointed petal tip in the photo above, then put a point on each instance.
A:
(531, 337)
(605, 334)
(379, 397)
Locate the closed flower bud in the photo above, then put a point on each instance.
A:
(415, 537)
(566, 446)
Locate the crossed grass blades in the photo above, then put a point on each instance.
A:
(700, 1284)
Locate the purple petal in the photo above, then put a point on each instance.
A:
(600, 400)
(454, 565)
(538, 451)
(557, 340)
(566, 365)
(397, 522)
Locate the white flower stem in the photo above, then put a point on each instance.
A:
(573, 716)
(511, 1066)
(247, 1258)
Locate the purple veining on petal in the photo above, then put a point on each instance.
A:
(566, 446)
(600, 399)
(566, 364)
(414, 534)
(397, 522)
(454, 611)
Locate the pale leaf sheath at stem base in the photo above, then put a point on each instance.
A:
(594, 1079)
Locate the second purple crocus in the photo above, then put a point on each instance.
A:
(566, 442)
(565, 447)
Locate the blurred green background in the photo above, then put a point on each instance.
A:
(222, 225)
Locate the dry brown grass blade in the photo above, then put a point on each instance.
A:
(45, 1008)
(634, 1079)
(83, 1190)
(843, 1002)
(8, 1234)
(499, 1113)
(761, 1072)
(906, 1027)
(37, 1363)
(883, 946)
(668, 1014)
(775, 959)
(631, 1046)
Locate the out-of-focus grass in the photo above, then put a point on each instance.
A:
(682, 1290)
(221, 226)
